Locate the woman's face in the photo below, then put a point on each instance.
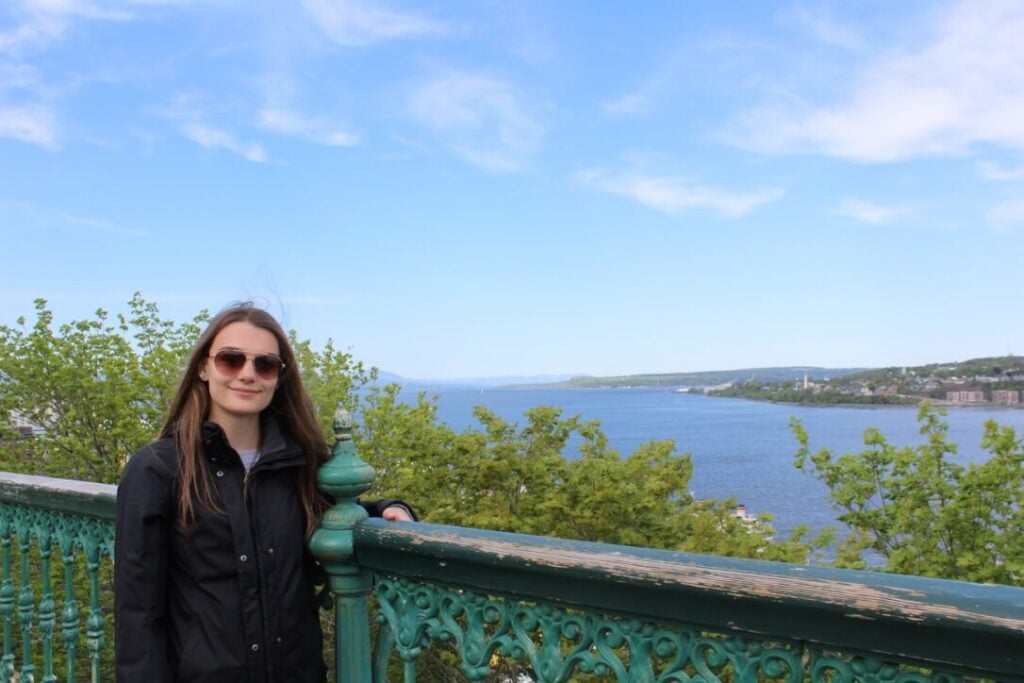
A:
(243, 393)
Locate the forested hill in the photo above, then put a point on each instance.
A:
(708, 378)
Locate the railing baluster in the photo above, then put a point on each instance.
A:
(94, 623)
(69, 623)
(7, 598)
(26, 597)
(47, 605)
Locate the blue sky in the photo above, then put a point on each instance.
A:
(455, 189)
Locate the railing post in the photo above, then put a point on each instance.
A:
(345, 477)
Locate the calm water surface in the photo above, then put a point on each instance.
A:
(743, 449)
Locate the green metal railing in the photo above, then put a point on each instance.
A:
(516, 608)
(556, 610)
(38, 516)
(489, 606)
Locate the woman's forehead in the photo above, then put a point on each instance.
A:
(246, 337)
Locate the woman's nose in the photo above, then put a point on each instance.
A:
(248, 370)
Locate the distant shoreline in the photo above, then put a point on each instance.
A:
(559, 386)
(824, 404)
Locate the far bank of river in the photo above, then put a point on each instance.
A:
(915, 404)
(740, 448)
(870, 402)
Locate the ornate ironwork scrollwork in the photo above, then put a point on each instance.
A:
(27, 599)
(557, 645)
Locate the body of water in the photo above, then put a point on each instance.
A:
(741, 449)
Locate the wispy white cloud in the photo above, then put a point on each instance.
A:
(184, 106)
(26, 110)
(288, 122)
(216, 138)
(36, 125)
(25, 214)
(639, 101)
(964, 86)
(23, 78)
(484, 120)
(675, 195)
(31, 32)
(823, 26)
(282, 113)
(175, 3)
(95, 224)
(28, 105)
(1007, 213)
(37, 23)
(992, 171)
(870, 212)
(190, 113)
(354, 22)
(658, 87)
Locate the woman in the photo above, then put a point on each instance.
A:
(212, 578)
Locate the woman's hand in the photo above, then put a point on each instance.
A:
(396, 513)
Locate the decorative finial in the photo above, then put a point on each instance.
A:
(342, 425)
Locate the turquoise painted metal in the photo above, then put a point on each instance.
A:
(509, 607)
(344, 477)
(37, 516)
(544, 609)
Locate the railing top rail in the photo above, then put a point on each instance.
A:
(60, 495)
(969, 626)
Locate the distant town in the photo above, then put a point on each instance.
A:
(977, 382)
(995, 381)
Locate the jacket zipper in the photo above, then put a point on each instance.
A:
(258, 560)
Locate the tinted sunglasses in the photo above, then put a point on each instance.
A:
(231, 361)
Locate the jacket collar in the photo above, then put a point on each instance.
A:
(277, 446)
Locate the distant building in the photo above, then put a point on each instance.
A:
(1006, 396)
(23, 427)
(965, 396)
(740, 512)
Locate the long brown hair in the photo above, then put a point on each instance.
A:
(291, 406)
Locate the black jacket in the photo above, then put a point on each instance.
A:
(231, 598)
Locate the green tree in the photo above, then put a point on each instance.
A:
(331, 376)
(98, 389)
(924, 513)
(408, 447)
(518, 478)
